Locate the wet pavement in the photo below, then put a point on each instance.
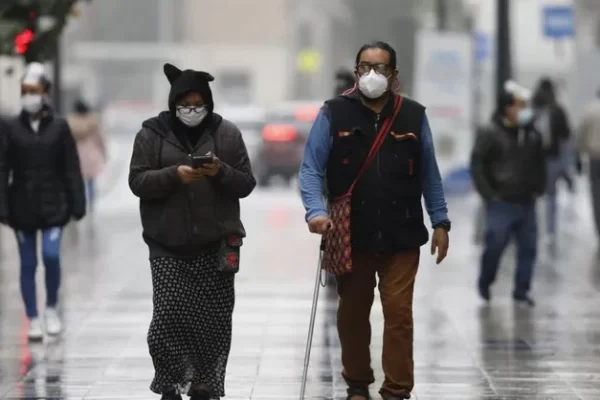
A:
(463, 350)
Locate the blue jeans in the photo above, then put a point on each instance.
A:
(503, 221)
(90, 191)
(555, 170)
(27, 241)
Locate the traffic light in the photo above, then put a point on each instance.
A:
(32, 28)
(18, 26)
(23, 40)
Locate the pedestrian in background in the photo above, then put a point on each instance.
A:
(45, 193)
(588, 143)
(190, 168)
(344, 80)
(85, 127)
(552, 122)
(508, 166)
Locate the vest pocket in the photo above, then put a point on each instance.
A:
(404, 150)
(347, 148)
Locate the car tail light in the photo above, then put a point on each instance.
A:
(279, 133)
(307, 113)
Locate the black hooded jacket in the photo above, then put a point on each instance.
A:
(46, 189)
(508, 163)
(553, 120)
(182, 220)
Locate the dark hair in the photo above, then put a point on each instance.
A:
(545, 93)
(81, 107)
(378, 45)
(505, 99)
(546, 84)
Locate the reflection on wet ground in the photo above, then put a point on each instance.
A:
(463, 350)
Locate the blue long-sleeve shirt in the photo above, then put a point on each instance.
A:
(316, 156)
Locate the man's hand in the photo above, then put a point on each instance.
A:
(211, 169)
(188, 174)
(320, 224)
(441, 242)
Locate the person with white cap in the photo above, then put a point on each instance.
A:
(509, 172)
(44, 193)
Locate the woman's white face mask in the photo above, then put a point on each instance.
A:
(191, 116)
(32, 103)
(373, 85)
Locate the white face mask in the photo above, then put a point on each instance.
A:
(525, 116)
(191, 116)
(373, 85)
(32, 103)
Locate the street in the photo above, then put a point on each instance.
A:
(462, 350)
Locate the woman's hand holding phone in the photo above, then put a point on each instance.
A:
(212, 168)
(188, 174)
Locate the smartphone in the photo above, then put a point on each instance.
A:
(199, 161)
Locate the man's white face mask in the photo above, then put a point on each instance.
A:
(373, 85)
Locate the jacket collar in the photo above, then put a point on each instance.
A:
(388, 109)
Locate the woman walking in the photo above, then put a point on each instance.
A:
(85, 128)
(190, 168)
(46, 191)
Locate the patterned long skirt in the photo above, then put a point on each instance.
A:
(190, 334)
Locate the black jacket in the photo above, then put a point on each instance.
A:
(182, 220)
(387, 213)
(46, 188)
(558, 129)
(508, 163)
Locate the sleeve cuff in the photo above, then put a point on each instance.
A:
(173, 174)
(438, 217)
(315, 213)
(223, 170)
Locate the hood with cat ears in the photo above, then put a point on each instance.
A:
(173, 73)
(187, 81)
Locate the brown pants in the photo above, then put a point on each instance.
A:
(357, 290)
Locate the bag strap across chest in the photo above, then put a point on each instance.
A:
(379, 139)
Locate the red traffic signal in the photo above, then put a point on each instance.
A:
(22, 41)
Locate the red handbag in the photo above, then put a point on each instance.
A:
(337, 246)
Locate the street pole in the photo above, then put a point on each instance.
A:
(57, 77)
(503, 47)
(442, 14)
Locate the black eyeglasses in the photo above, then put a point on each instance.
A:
(190, 109)
(384, 69)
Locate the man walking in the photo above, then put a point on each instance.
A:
(508, 166)
(386, 218)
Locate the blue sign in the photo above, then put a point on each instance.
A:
(559, 22)
(482, 46)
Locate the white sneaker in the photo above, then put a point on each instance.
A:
(35, 329)
(52, 320)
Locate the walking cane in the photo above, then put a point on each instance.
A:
(313, 316)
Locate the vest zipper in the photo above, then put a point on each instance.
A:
(379, 234)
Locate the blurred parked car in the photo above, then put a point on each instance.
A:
(282, 140)
(250, 120)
